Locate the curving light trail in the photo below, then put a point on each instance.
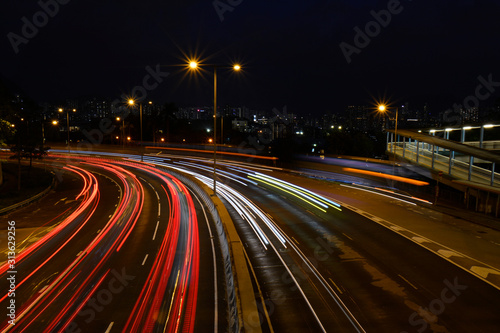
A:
(172, 284)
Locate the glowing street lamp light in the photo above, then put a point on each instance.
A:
(383, 108)
(193, 65)
(123, 129)
(67, 123)
(131, 102)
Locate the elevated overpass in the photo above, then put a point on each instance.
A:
(462, 166)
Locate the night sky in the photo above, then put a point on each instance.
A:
(430, 51)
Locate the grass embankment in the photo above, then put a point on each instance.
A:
(33, 182)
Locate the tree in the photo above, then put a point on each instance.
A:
(6, 133)
(28, 151)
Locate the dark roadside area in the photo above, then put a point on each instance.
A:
(33, 181)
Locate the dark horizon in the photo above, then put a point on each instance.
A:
(310, 57)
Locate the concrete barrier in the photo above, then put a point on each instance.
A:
(242, 307)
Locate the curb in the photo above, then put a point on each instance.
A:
(243, 283)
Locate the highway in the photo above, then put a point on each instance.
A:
(337, 269)
(127, 247)
(123, 253)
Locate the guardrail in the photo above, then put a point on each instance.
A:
(28, 201)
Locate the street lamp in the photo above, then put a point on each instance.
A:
(53, 122)
(193, 65)
(131, 102)
(67, 123)
(382, 108)
(123, 129)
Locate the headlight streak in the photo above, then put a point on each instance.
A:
(297, 191)
(220, 172)
(91, 198)
(241, 204)
(104, 256)
(378, 193)
(295, 195)
(232, 199)
(182, 226)
(398, 194)
(71, 302)
(183, 298)
(119, 229)
(231, 196)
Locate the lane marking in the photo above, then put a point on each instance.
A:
(109, 327)
(156, 229)
(41, 290)
(449, 254)
(411, 284)
(144, 261)
(216, 302)
(347, 236)
(484, 271)
(335, 285)
(419, 240)
(446, 252)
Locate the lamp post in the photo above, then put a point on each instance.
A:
(67, 124)
(382, 108)
(193, 65)
(123, 129)
(131, 102)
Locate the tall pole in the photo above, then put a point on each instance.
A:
(43, 132)
(140, 117)
(67, 124)
(215, 129)
(396, 131)
(123, 132)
